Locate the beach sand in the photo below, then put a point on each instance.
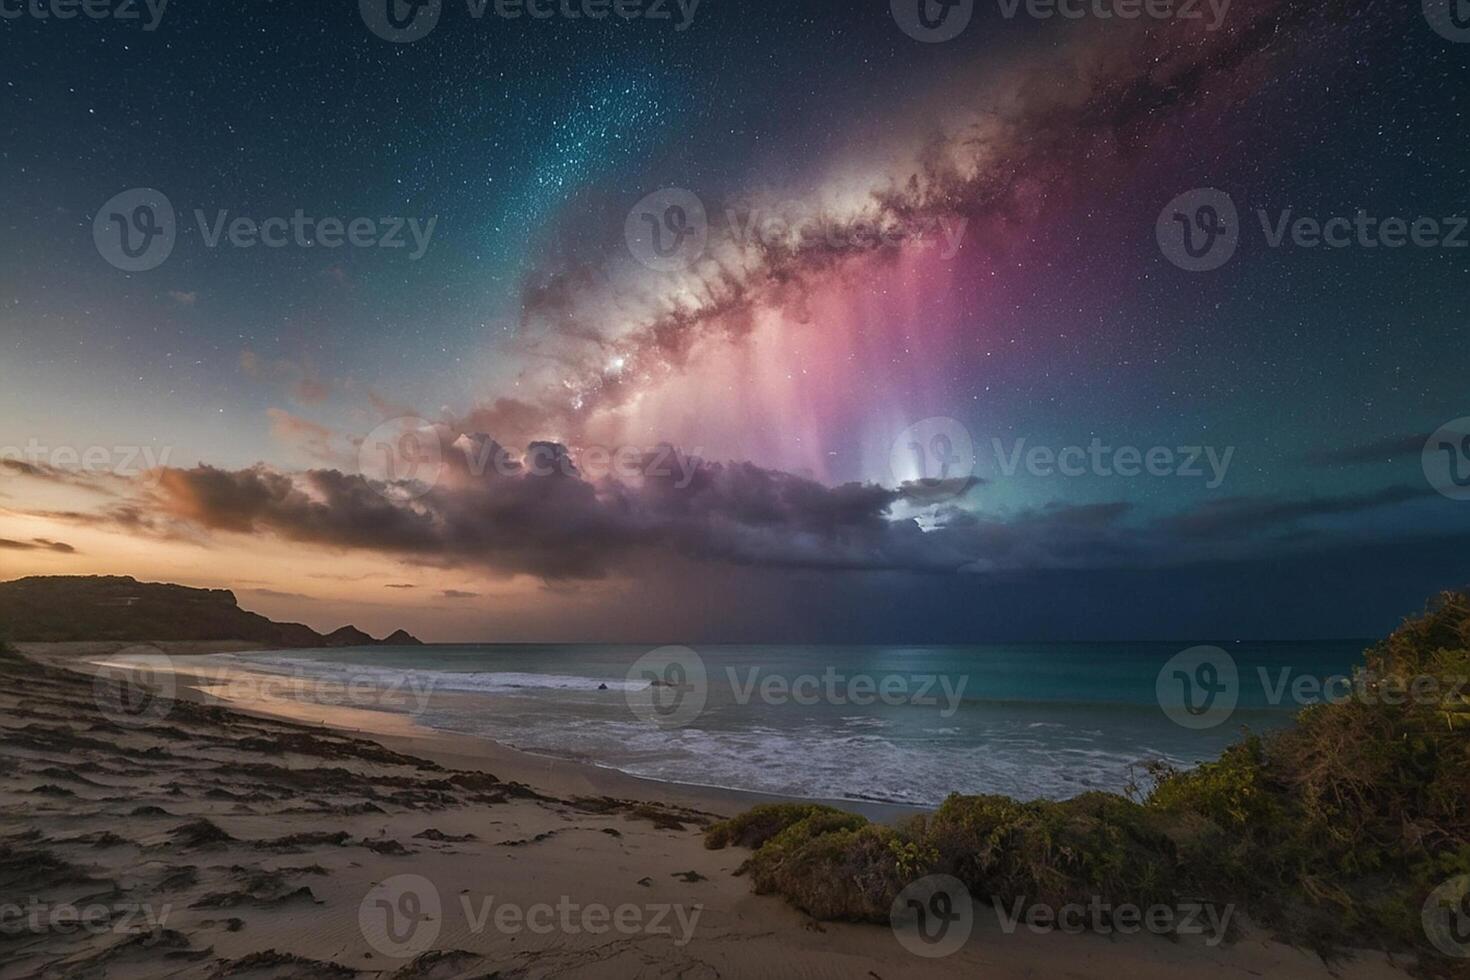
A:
(271, 838)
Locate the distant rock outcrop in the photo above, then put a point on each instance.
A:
(57, 608)
(347, 636)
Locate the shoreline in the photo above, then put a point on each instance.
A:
(402, 733)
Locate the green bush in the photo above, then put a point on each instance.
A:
(834, 869)
(759, 824)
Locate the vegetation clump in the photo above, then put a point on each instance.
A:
(1333, 831)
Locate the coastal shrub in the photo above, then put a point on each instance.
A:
(1332, 832)
(759, 824)
(839, 870)
(1055, 852)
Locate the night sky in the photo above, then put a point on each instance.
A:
(792, 368)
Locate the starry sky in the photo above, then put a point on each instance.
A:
(780, 368)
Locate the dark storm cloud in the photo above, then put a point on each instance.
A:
(553, 522)
(276, 594)
(97, 481)
(1244, 515)
(38, 544)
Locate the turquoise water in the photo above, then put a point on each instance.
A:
(1042, 720)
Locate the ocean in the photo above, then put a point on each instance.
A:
(892, 724)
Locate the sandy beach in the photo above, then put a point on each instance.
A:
(273, 838)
